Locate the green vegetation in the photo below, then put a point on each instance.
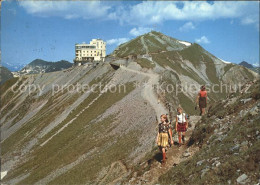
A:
(150, 158)
(163, 59)
(65, 148)
(248, 73)
(117, 151)
(246, 161)
(187, 104)
(55, 105)
(145, 63)
(228, 67)
(172, 59)
(235, 149)
(44, 117)
(9, 83)
(132, 47)
(153, 44)
(151, 40)
(193, 54)
(196, 55)
(21, 110)
(48, 66)
(10, 98)
(5, 74)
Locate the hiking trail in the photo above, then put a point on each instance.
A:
(174, 157)
(148, 91)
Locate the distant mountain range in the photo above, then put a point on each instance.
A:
(36, 66)
(250, 66)
(13, 67)
(42, 66)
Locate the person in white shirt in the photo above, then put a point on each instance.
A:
(181, 125)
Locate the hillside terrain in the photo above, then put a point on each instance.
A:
(41, 66)
(249, 66)
(54, 130)
(5, 74)
(229, 142)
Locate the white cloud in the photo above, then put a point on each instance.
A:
(248, 20)
(147, 12)
(256, 65)
(117, 41)
(139, 31)
(66, 9)
(202, 40)
(187, 26)
(154, 12)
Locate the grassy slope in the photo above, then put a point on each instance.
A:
(135, 46)
(72, 142)
(187, 104)
(8, 98)
(45, 116)
(145, 63)
(195, 54)
(132, 47)
(117, 151)
(5, 74)
(246, 158)
(172, 59)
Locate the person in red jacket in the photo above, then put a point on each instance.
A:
(202, 100)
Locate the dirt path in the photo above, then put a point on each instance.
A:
(148, 91)
(174, 155)
(118, 171)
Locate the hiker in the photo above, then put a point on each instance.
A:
(162, 136)
(202, 100)
(181, 125)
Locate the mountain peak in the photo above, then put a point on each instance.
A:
(246, 64)
(42, 66)
(151, 42)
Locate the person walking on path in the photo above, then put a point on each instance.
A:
(181, 125)
(162, 136)
(202, 100)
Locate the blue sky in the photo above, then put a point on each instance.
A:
(49, 30)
